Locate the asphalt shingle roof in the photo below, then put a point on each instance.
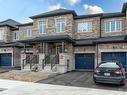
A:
(54, 13)
(52, 38)
(124, 7)
(109, 39)
(9, 22)
(13, 44)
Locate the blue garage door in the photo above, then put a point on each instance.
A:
(84, 61)
(115, 56)
(5, 60)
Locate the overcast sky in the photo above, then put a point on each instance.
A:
(21, 10)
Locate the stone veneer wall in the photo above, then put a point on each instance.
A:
(23, 32)
(7, 34)
(111, 47)
(123, 32)
(17, 57)
(84, 49)
(51, 28)
(95, 28)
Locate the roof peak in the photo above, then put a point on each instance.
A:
(9, 22)
(56, 12)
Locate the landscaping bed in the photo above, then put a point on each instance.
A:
(27, 76)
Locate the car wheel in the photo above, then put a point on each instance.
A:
(95, 81)
(122, 83)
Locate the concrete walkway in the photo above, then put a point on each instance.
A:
(27, 88)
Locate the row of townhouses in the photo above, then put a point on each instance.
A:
(62, 41)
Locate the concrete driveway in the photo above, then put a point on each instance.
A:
(81, 79)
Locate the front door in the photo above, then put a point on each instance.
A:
(58, 49)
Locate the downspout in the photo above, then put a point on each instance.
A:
(100, 27)
(97, 43)
(13, 56)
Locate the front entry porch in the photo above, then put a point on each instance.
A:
(50, 56)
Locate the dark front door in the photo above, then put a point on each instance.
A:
(114, 56)
(84, 61)
(6, 60)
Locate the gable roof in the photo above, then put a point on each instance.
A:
(124, 8)
(9, 22)
(55, 13)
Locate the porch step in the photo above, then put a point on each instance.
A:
(27, 67)
(47, 68)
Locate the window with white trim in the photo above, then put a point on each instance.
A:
(60, 25)
(85, 27)
(1, 34)
(15, 35)
(113, 26)
(42, 26)
(29, 32)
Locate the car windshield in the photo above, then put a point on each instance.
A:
(109, 65)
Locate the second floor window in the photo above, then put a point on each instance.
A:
(42, 26)
(16, 35)
(29, 32)
(85, 27)
(60, 25)
(113, 26)
(1, 34)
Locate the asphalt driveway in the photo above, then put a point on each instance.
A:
(81, 79)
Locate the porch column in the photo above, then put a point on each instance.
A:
(24, 47)
(23, 62)
(43, 47)
(62, 46)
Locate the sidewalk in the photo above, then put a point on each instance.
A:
(28, 88)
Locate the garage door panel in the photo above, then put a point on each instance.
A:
(115, 56)
(5, 60)
(84, 61)
(79, 61)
